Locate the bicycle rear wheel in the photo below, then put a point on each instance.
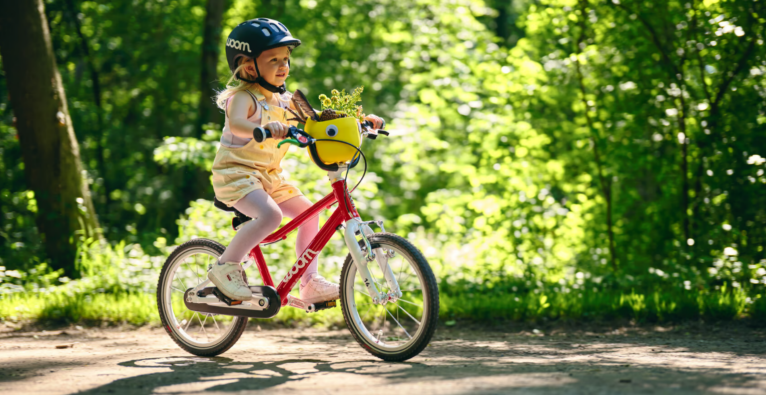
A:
(202, 334)
(397, 330)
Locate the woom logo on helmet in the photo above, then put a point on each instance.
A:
(238, 45)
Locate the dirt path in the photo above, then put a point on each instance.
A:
(459, 361)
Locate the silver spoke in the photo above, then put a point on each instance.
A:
(405, 312)
(405, 280)
(399, 277)
(189, 322)
(181, 281)
(202, 327)
(397, 311)
(196, 270)
(407, 301)
(189, 267)
(397, 323)
(371, 314)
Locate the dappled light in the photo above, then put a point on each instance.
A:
(552, 159)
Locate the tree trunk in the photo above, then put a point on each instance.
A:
(48, 145)
(208, 111)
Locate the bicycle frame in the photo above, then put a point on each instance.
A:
(346, 211)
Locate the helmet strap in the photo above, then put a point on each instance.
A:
(262, 82)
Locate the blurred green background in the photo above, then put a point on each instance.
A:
(553, 159)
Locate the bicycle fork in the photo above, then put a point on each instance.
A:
(355, 227)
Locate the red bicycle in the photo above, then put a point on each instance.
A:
(388, 292)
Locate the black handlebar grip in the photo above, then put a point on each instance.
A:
(370, 124)
(260, 134)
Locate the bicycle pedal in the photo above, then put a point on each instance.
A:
(223, 298)
(310, 307)
(325, 305)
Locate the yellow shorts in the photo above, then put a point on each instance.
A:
(239, 171)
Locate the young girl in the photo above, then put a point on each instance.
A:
(246, 174)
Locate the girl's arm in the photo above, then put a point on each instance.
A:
(241, 106)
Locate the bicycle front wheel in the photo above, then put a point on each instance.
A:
(202, 334)
(397, 330)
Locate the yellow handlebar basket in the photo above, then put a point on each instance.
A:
(341, 129)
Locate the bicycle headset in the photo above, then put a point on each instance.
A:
(250, 38)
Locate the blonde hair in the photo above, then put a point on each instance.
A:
(234, 84)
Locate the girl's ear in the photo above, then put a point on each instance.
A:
(250, 67)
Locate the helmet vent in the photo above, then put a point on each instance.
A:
(256, 24)
(274, 27)
(281, 26)
(266, 32)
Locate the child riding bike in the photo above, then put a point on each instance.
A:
(246, 173)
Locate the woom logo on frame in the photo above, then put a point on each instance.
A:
(305, 259)
(242, 46)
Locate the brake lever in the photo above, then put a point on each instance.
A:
(298, 138)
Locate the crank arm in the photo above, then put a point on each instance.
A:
(265, 303)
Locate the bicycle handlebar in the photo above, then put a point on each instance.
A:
(295, 136)
(302, 139)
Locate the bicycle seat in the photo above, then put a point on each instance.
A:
(222, 206)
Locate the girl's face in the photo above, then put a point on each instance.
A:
(273, 65)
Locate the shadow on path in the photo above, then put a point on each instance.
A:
(456, 376)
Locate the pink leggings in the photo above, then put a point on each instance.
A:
(267, 216)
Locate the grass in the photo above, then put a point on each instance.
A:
(657, 306)
(126, 308)
(133, 308)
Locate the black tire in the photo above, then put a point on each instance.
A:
(430, 291)
(169, 321)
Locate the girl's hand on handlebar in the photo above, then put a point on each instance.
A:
(278, 129)
(377, 122)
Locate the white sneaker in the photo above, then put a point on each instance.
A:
(317, 289)
(229, 278)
